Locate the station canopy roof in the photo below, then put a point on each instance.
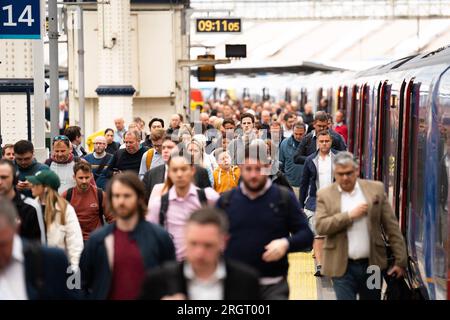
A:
(323, 45)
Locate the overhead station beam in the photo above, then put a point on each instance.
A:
(324, 10)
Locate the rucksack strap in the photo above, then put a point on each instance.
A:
(163, 209)
(69, 194)
(202, 197)
(149, 158)
(225, 199)
(100, 205)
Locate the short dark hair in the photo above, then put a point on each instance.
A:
(9, 211)
(72, 132)
(154, 120)
(229, 121)
(83, 166)
(320, 116)
(108, 130)
(248, 115)
(300, 125)
(131, 180)
(6, 146)
(10, 164)
(210, 216)
(23, 146)
(287, 116)
(325, 133)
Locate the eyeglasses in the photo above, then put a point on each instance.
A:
(348, 173)
(58, 138)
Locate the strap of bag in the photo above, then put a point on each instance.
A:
(202, 197)
(69, 194)
(100, 205)
(148, 160)
(163, 209)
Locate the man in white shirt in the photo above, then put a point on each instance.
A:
(317, 174)
(22, 264)
(205, 274)
(351, 214)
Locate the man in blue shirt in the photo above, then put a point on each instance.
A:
(266, 222)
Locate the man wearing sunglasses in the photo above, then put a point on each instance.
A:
(62, 161)
(351, 213)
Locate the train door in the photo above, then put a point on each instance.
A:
(361, 126)
(351, 118)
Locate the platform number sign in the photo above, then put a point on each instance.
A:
(20, 19)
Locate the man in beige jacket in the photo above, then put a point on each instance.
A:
(351, 213)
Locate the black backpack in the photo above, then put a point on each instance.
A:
(99, 198)
(165, 205)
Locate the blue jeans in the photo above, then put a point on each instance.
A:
(354, 282)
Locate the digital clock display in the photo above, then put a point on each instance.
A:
(219, 25)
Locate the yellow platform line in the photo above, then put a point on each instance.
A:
(302, 283)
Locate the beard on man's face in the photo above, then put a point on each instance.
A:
(124, 212)
(255, 186)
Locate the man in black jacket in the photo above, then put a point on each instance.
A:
(29, 271)
(159, 174)
(308, 145)
(31, 220)
(128, 158)
(205, 274)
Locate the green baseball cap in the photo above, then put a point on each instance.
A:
(45, 177)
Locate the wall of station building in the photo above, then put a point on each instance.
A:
(158, 41)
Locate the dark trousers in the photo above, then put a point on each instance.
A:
(354, 282)
(278, 291)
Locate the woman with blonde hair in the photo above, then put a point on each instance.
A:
(61, 223)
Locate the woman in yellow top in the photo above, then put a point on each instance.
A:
(226, 176)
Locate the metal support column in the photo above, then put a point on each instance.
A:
(54, 66)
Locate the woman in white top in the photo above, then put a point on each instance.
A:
(61, 222)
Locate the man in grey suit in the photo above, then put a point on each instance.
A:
(159, 174)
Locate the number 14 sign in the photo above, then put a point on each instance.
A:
(20, 19)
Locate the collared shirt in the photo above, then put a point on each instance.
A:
(358, 233)
(157, 160)
(78, 150)
(205, 289)
(324, 170)
(246, 192)
(286, 132)
(179, 211)
(12, 277)
(118, 136)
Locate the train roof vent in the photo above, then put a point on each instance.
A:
(403, 61)
(432, 53)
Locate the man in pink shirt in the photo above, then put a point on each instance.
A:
(180, 197)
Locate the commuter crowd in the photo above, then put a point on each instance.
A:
(201, 209)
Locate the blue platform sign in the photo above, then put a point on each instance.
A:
(20, 19)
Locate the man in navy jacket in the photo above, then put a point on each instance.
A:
(266, 222)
